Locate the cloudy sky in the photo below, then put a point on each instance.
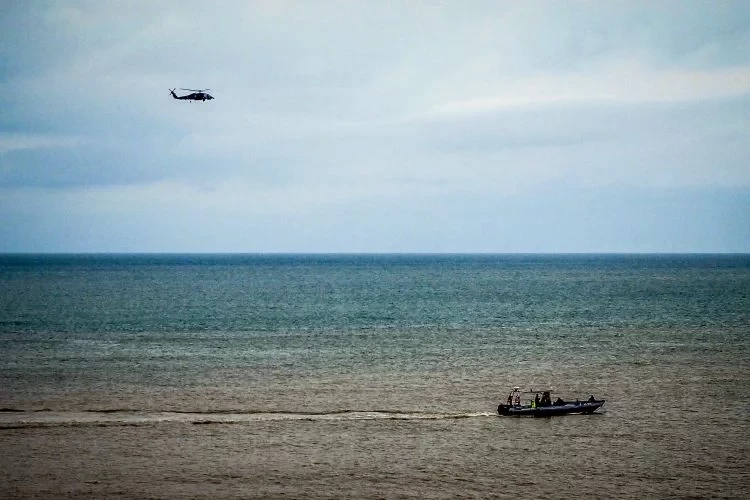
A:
(375, 126)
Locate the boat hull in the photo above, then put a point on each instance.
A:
(584, 407)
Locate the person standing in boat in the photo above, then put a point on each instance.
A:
(536, 401)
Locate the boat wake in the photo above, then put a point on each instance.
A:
(21, 419)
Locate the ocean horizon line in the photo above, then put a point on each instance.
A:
(374, 253)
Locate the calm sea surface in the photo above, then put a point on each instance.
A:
(372, 376)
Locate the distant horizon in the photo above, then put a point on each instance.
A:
(383, 253)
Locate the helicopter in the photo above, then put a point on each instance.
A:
(197, 95)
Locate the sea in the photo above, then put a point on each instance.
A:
(372, 376)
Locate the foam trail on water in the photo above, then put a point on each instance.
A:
(130, 417)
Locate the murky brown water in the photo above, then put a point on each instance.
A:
(666, 431)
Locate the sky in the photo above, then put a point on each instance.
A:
(375, 126)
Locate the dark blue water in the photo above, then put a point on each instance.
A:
(143, 293)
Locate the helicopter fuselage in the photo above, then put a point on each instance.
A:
(195, 96)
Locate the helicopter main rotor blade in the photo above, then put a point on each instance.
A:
(195, 90)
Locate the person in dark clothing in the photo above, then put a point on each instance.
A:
(546, 401)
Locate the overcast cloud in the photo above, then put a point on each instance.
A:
(375, 126)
